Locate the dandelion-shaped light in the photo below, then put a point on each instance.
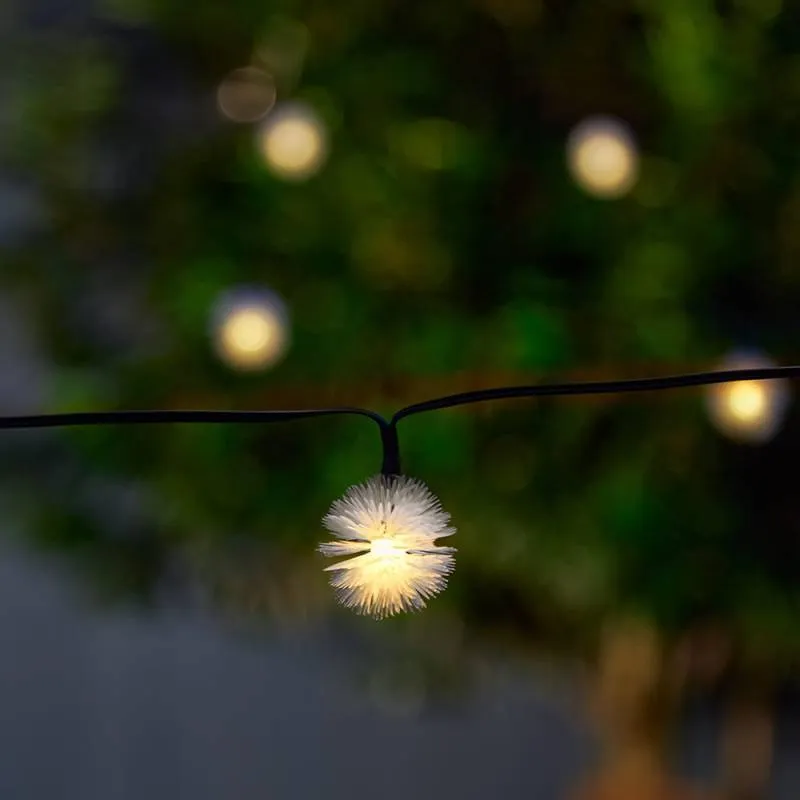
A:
(389, 525)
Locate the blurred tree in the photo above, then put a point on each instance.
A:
(443, 236)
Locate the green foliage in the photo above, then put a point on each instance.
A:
(444, 237)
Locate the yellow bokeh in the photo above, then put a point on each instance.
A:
(251, 337)
(294, 143)
(602, 158)
(747, 400)
(748, 411)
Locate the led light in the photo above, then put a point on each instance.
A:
(602, 157)
(293, 142)
(748, 411)
(250, 329)
(388, 526)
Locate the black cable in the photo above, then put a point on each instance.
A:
(391, 450)
(388, 428)
(169, 417)
(598, 387)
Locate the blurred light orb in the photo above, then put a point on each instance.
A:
(747, 400)
(294, 142)
(251, 329)
(602, 157)
(748, 411)
(246, 95)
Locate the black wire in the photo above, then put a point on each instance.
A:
(162, 417)
(388, 428)
(598, 387)
(169, 417)
(391, 450)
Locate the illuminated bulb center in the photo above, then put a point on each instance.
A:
(602, 157)
(250, 330)
(605, 160)
(294, 146)
(747, 400)
(386, 548)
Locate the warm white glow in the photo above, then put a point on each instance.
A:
(251, 331)
(602, 157)
(747, 400)
(294, 142)
(246, 95)
(385, 548)
(388, 526)
(748, 411)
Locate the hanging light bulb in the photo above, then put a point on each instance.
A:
(293, 141)
(602, 157)
(748, 411)
(389, 526)
(250, 329)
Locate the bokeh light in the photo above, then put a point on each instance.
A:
(250, 329)
(748, 411)
(602, 157)
(246, 95)
(294, 142)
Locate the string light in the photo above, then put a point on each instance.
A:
(250, 329)
(293, 141)
(246, 94)
(748, 411)
(389, 526)
(602, 157)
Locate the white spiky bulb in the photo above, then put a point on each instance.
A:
(389, 524)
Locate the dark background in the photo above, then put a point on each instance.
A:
(443, 242)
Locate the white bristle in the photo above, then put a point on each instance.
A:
(388, 526)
